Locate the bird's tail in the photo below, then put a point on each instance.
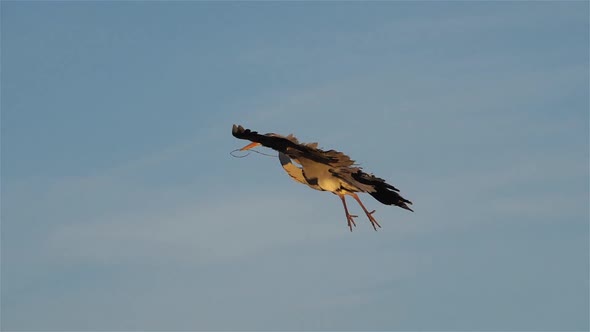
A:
(387, 196)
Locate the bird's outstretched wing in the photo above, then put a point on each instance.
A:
(290, 146)
(383, 191)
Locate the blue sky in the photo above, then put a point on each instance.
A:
(122, 209)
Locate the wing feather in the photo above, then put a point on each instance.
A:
(290, 146)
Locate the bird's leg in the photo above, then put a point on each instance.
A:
(349, 217)
(374, 222)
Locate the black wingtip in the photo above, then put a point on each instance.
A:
(404, 206)
(237, 130)
(389, 197)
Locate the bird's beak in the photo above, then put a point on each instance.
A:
(250, 146)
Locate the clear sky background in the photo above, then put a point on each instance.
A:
(122, 209)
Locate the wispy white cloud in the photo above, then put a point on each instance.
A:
(210, 230)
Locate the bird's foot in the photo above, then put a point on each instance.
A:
(350, 220)
(374, 222)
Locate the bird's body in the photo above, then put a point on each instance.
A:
(320, 173)
(329, 170)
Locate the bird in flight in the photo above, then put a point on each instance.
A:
(330, 170)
